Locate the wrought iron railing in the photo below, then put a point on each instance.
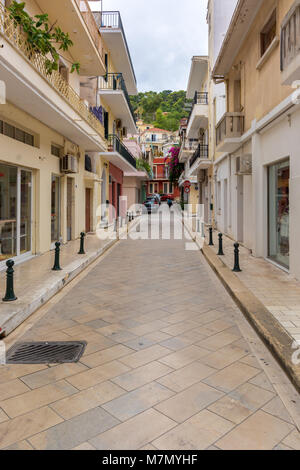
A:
(115, 145)
(112, 20)
(230, 126)
(13, 33)
(115, 81)
(201, 152)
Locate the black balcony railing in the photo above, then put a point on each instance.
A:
(112, 20)
(115, 145)
(115, 81)
(199, 98)
(201, 152)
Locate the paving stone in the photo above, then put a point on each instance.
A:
(73, 432)
(260, 431)
(184, 357)
(293, 440)
(241, 403)
(84, 446)
(142, 375)
(106, 355)
(198, 432)
(189, 402)
(134, 433)
(22, 445)
(52, 374)
(225, 356)
(231, 377)
(12, 388)
(137, 401)
(87, 399)
(276, 408)
(37, 398)
(145, 356)
(22, 427)
(99, 374)
(187, 376)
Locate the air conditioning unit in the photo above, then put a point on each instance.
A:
(202, 176)
(70, 148)
(118, 123)
(244, 165)
(69, 164)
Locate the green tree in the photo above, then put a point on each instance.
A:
(151, 106)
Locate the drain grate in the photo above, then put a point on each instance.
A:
(44, 352)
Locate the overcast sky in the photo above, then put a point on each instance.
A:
(163, 35)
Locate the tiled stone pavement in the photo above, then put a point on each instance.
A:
(166, 366)
(266, 281)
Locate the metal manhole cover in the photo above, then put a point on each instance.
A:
(44, 352)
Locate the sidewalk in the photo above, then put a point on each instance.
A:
(268, 297)
(277, 290)
(35, 282)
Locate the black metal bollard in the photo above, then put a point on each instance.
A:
(211, 242)
(132, 216)
(236, 268)
(9, 295)
(56, 266)
(221, 252)
(82, 237)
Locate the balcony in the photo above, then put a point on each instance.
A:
(113, 90)
(76, 18)
(119, 155)
(47, 97)
(188, 146)
(290, 46)
(200, 160)
(112, 31)
(198, 118)
(229, 131)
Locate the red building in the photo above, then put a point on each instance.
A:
(160, 183)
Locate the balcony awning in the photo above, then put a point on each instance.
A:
(239, 27)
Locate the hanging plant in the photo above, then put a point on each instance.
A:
(44, 39)
(175, 167)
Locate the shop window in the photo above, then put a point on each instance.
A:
(15, 211)
(278, 194)
(268, 34)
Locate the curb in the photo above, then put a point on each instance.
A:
(275, 337)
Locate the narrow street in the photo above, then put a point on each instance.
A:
(170, 362)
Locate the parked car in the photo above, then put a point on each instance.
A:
(165, 197)
(151, 204)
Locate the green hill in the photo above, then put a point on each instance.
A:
(151, 106)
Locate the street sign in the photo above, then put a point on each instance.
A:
(187, 189)
(187, 184)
